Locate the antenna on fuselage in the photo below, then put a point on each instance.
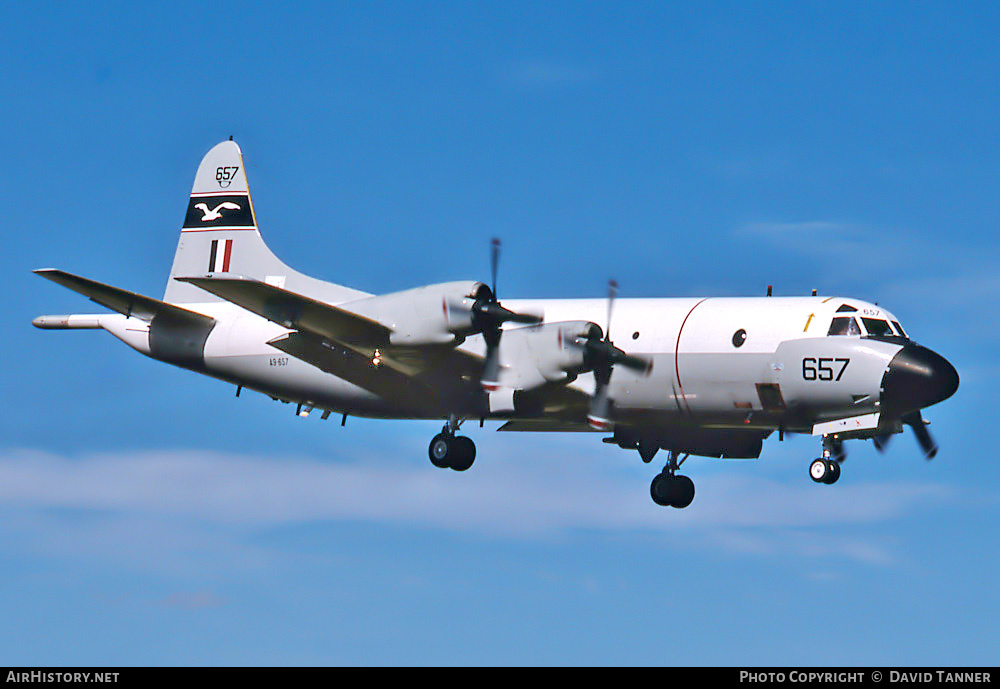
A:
(769, 288)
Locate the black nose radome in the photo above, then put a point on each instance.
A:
(916, 378)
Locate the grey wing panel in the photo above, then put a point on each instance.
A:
(295, 310)
(357, 368)
(123, 301)
(435, 361)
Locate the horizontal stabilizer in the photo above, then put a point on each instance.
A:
(128, 303)
(295, 310)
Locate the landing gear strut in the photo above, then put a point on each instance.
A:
(450, 451)
(669, 488)
(826, 469)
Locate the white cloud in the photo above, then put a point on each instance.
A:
(820, 239)
(193, 600)
(208, 494)
(785, 229)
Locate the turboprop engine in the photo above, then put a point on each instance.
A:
(548, 353)
(435, 314)
(447, 313)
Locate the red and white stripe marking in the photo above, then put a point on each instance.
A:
(220, 255)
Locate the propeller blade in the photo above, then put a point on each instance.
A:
(882, 442)
(508, 316)
(498, 314)
(494, 262)
(603, 352)
(635, 362)
(491, 369)
(599, 416)
(919, 426)
(612, 293)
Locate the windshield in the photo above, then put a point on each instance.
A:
(877, 327)
(844, 326)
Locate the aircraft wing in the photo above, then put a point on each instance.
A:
(295, 310)
(120, 300)
(429, 369)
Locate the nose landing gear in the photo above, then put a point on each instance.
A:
(450, 451)
(669, 488)
(826, 469)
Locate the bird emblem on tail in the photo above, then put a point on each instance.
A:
(215, 213)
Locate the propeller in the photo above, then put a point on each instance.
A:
(919, 425)
(882, 442)
(488, 317)
(600, 356)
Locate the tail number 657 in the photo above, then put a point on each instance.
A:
(824, 368)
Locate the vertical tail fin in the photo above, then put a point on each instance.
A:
(220, 235)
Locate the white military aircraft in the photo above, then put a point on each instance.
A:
(712, 377)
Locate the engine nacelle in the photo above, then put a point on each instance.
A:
(434, 314)
(552, 351)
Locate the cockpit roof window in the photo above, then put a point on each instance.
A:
(877, 327)
(846, 308)
(844, 326)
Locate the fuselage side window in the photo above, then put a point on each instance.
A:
(877, 327)
(844, 326)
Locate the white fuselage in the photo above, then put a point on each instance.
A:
(699, 375)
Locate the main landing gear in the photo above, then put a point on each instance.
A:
(669, 488)
(450, 451)
(826, 469)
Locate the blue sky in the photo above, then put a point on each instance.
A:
(147, 516)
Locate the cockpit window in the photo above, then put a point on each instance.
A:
(899, 330)
(846, 308)
(877, 327)
(844, 326)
